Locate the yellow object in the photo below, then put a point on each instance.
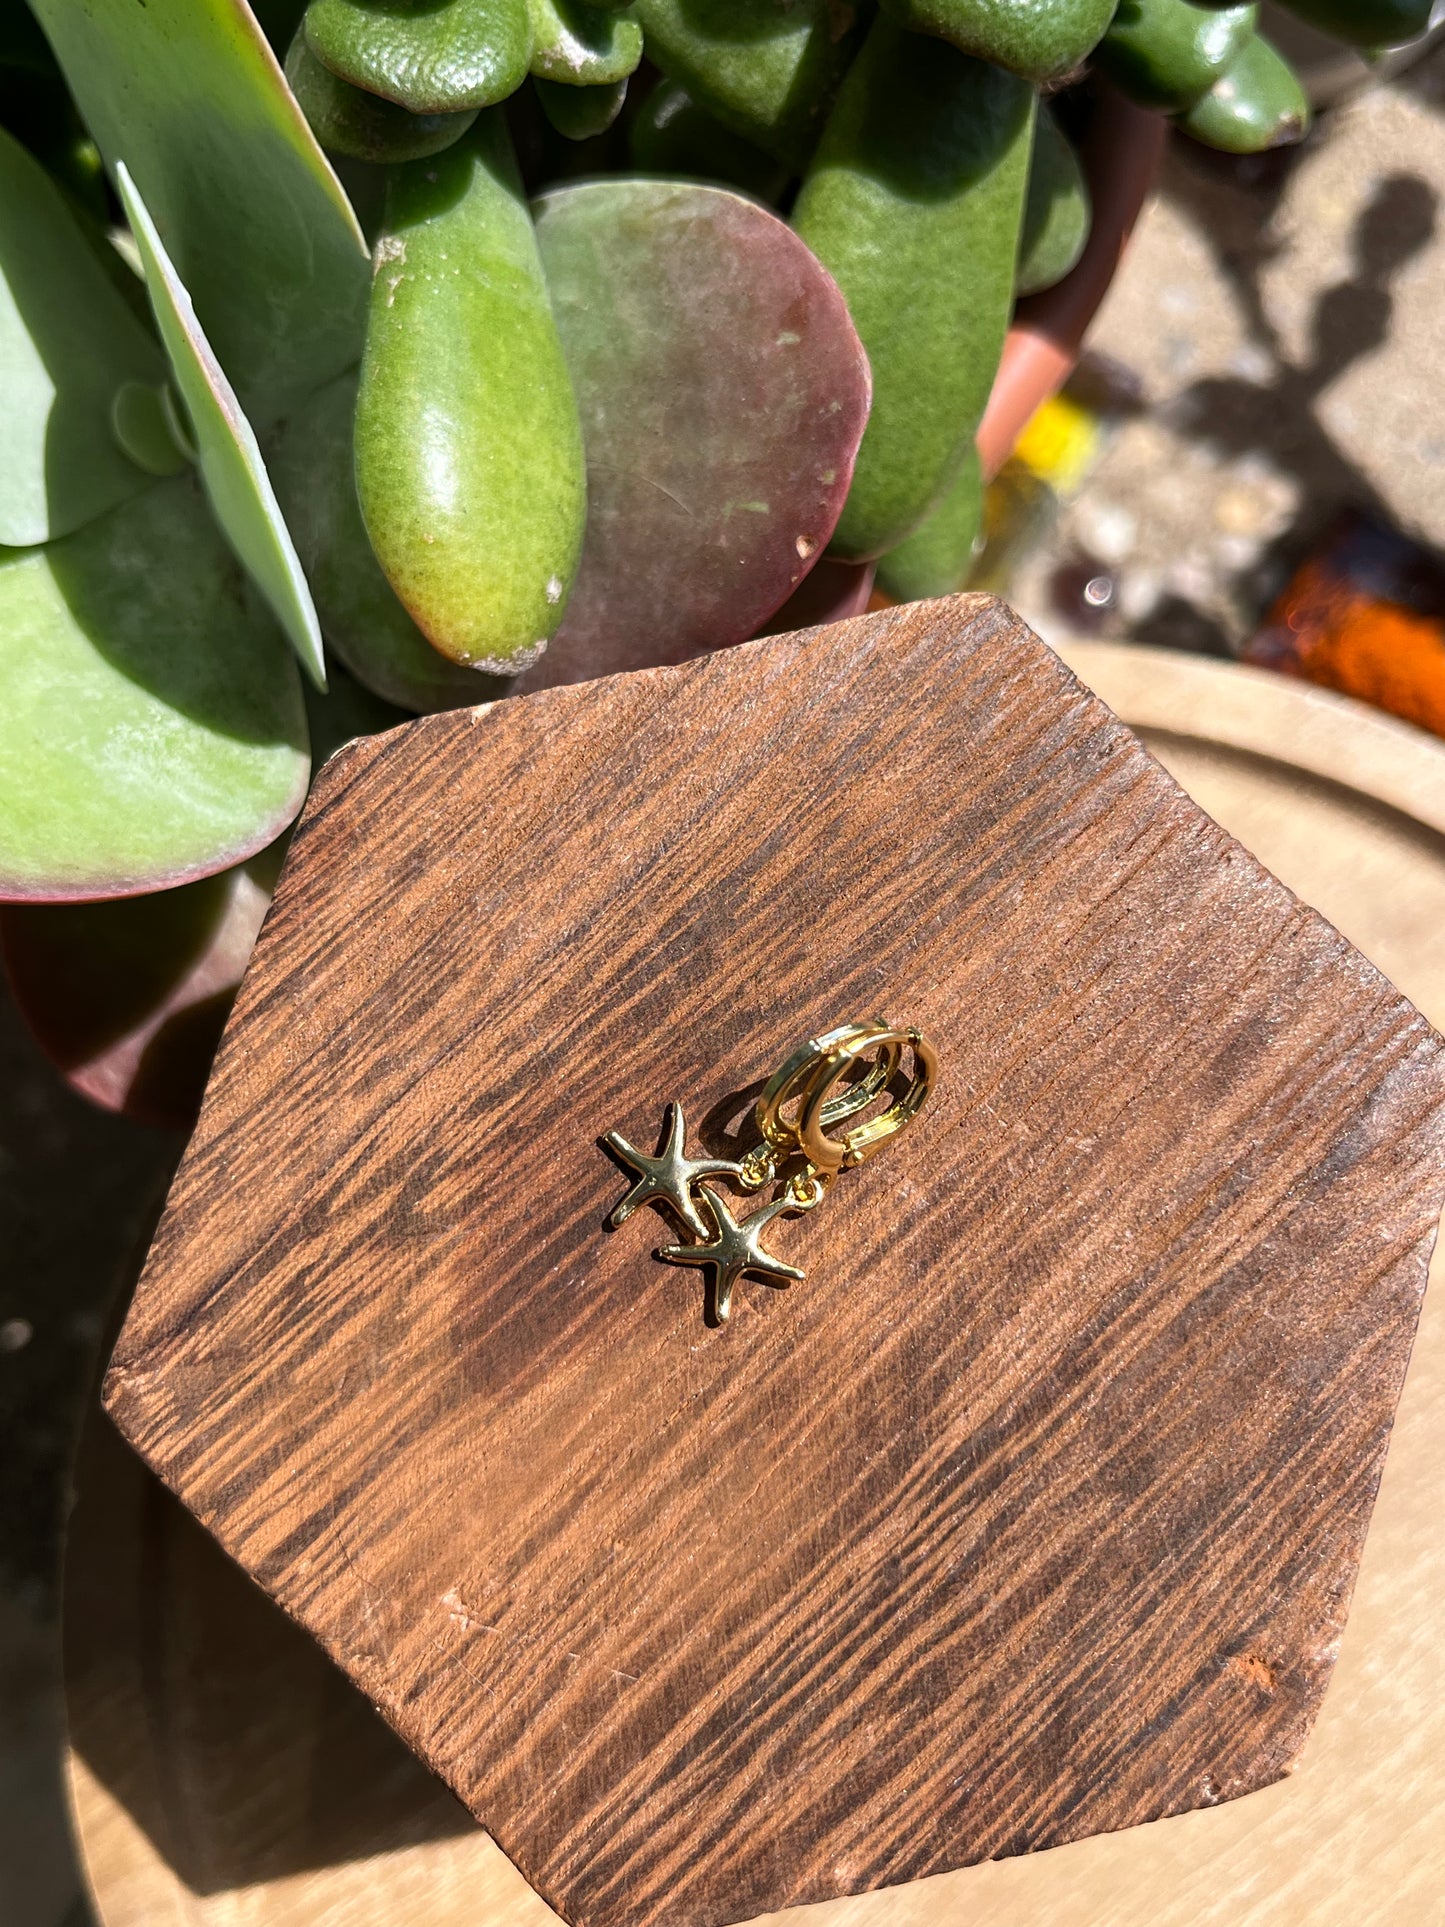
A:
(824, 1082)
(1060, 443)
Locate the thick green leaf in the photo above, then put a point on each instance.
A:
(766, 68)
(937, 559)
(67, 343)
(1165, 54)
(581, 113)
(436, 57)
(469, 459)
(723, 393)
(232, 470)
(153, 729)
(1259, 103)
(361, 618)
(1057, 210)
(577, 46)
(362, 126)
(127, 999)
(189, 95)
(914, 202)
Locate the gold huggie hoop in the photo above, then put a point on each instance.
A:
(796, 1077)
(810, 1077)
(856, 1145)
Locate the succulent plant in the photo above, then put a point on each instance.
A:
(372, 356)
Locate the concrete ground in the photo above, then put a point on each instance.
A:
(1286, 322)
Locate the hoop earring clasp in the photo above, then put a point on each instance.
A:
(816, 1073)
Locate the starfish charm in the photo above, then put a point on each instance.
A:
(734, 1248)
(667, 1178)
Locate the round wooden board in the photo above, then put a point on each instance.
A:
(222, 1772)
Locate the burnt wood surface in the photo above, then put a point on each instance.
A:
(1034, 1510)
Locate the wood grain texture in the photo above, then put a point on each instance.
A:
(1293, 723)
(1034, 1512)
(224, 1774)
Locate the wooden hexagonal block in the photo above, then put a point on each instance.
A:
(1034, 1510)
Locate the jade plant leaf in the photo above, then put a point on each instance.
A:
(580, 113)
(68, 343)
(364, 624)
(430, 57)
(1057, 210)
(363, 126)
(938, 558)
(1256, 104)
(190, 96)
(229, 457)
(767, 70)
(832, 591)
(127, 999)
(153, 729)
(723, 394)
(579, 46)
(470, 465)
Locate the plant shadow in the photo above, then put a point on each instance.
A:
(224, 1731)
(1277, 417)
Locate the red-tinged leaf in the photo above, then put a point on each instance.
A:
(723, 394)
(127, 999)
(832, 592)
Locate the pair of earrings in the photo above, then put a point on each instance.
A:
(824, 1082)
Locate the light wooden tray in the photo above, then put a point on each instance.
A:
(221, 1771)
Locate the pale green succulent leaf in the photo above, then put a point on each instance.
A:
(191, 97)
(153, 729)
(140, 417)
(227, 451)
(67, 343)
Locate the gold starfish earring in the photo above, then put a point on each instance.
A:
(735, 1247)
(826, 1081)
(667, 1178)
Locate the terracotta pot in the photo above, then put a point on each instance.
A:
(1121, 159)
